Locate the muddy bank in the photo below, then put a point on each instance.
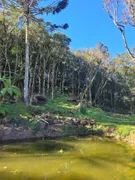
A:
(110, 132)
(47, 127)
(12, 133)
(59, 127)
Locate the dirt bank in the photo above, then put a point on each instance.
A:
(110, 132)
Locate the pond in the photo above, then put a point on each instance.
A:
(91, 158)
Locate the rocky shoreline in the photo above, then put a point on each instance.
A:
(53, 127)
(47, 127)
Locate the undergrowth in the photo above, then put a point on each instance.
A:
(65, 107)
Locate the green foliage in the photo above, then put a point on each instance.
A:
(60, 64)
(17, 114)
(19, 120)
(16, 109)
(34, 125)
(123, 123)
(59, 105)
(83, 110)
(124, 130)
(9, 89)
(64, 105)
(3, 110)
(20, 115)
(35, 110)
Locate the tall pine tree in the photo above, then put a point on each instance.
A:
(29, 10)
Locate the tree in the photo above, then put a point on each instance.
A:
(122, 12)
(29, 10)
(89, 75)
(94, 59)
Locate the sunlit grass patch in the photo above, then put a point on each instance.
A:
(64, 107)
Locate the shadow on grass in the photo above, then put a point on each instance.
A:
(63, 108)
(116, 122)
(114, 119)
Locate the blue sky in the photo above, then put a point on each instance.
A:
(89, 23)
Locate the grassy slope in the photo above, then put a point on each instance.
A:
(123, 123)
(64, 107)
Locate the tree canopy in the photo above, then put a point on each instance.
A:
(51, 68)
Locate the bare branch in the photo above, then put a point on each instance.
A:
(112, 8)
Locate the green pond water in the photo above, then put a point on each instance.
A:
(91, 158)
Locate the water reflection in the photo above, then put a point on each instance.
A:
(89, 158)
(37, 147)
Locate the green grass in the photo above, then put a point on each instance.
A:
(64, 107)
(123, 123)
(16, 109)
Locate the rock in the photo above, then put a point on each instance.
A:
(83, 122)
(92, 122)
(6, 120)
(109, 135)
(43, 125)
(38, 99)
(1, 131)
(8, 133)
(39, 134)
(43, 116)
(55, 121)
(75, 122)
(35, 111)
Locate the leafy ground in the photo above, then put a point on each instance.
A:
(66, 107)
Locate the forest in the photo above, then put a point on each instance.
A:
(36, 59)
(65, 113)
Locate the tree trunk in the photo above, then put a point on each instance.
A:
(90, 97)
(44, 76)
(79, 84)
(7, 60)
(48, 82)
(16, 59)
(99, 91)
(88, 87)
(33, 80)
(53, 80)
(63, 83)
(39, 84)
(26, 78)
(73, 83)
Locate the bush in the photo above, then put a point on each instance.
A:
(8, 90)
(34, 125)
(19, 120)
(3, 110)
(38, 100)
(83, 110)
